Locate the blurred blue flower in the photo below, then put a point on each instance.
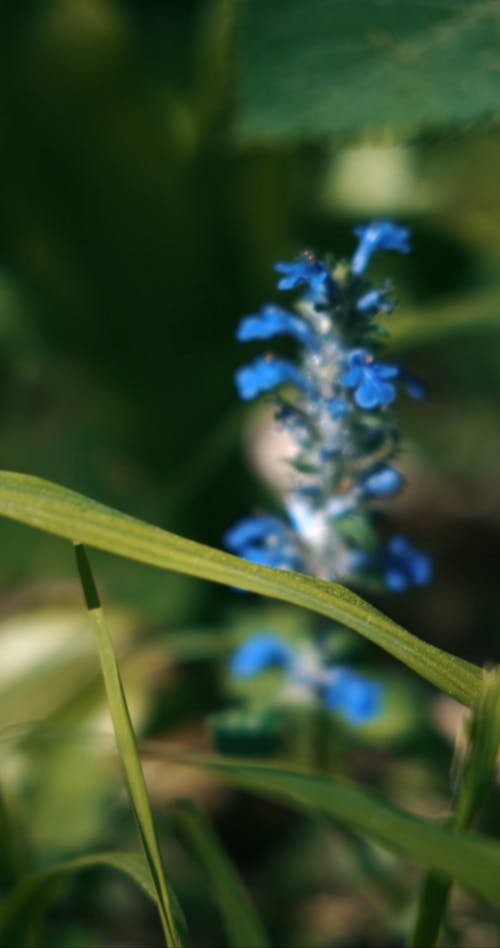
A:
(369, 379)
(307, 270)
(259, 653)
(404, 566)
(379, 235)
(383, 481)
(268, 372)
(357, 698)
(265, 540)
(375, 301)
(273, 321)
(337, 416)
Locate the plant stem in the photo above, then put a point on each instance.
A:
(477, 773)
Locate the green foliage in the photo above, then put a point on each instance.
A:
(242, 923)
(70, 515)
(329, 66)
(476, 772)
(470, 859)
(20, 912)
(127, 750)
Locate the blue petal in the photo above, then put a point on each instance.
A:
(368, 394)
(404, 565)
(252, 530)
(387, 393)
(421, 569)
(356, 697)
(396, 579)
(414, 387)
(379, 235)
(273, 321)
(310, 271)
(374, 301)
(385, 370)
(259, 653)
(383, 481)
(352, 377)
(399, 545)
(266, 373)
(265, 540)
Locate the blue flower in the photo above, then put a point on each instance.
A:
(404, 566)
(382, 481)
(369, 379)
(268, 372)
(379, 235)
(273, 321)
(264, 540)
(310, 271)
(258, 653)
(357, 698)
(375, 301)
(414, 387)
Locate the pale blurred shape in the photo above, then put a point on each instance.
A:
(377, 179)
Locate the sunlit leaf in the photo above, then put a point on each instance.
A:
(65, 513)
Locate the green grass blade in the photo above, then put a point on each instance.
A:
(65, 513)
(127, 749)
(477, 778)
(19, 913)
(242, 923)
(472, 860)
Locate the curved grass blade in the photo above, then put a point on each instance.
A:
(65, 513)
(127, 750)
(472, 860)
(242, 923)
(20, 912)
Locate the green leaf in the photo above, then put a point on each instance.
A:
(65, 513)
(21, 910)
(472, 860)
(242, 923)
(127, 751)
(328, 66)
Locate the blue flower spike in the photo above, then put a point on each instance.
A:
(379, 235)
(337, 414)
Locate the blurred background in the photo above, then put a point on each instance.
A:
(156, 159)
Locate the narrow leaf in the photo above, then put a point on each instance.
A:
(65, 513)
(127, 750)
(242, 923)
(478, 772)
(470, 859)
(21, 910)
